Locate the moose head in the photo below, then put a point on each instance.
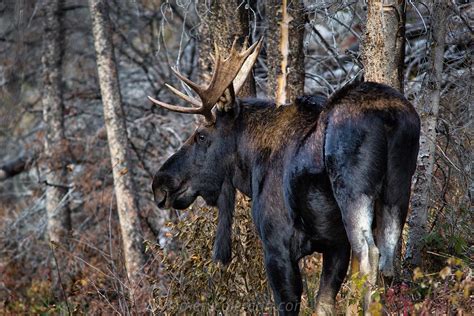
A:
(204, 164)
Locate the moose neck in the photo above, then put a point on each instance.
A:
(264, 132)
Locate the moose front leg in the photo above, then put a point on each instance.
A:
(281, 261)
(335, 263)
(285, 279)
(281, 245)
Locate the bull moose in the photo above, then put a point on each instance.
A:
(327, 179)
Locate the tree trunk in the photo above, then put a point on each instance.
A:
(125, 194)
(59, 218)
(383, 50)
(285, 57)
(428, 109)
(222, 22)
(383, 54)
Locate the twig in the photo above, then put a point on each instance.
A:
(439, 255)
(53, 244)
(447, 158)
(56, 185)
(329, 48)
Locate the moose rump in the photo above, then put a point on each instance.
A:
(321, 178)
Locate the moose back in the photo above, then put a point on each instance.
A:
(326, 178)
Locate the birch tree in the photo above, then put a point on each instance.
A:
(285, 57)
(428, 108)
(59, 218)
(127, 204)
(383, 49)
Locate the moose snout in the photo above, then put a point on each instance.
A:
(161, 187)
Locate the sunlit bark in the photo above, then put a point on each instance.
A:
(285, 57)
(383, 48)
(127, 204)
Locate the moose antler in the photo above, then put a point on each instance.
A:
(232, 70)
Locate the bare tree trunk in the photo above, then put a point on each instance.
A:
(383, 51)
(428, 109)
(383, 54)
(222, 22)
(285, 56)
(59, 218)
(125, 193)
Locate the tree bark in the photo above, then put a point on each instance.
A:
(383, 49)
(383, 54)
(285, 56)
(222, 22)
(127, 204)
(59, 218)
(428, 109)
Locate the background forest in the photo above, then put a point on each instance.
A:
(79, 143)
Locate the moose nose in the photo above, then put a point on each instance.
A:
(159, 193)
(160, 197)
(162, 185)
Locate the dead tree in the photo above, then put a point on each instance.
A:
(127, 204)
(59, 218)
(428, 109)
(285, 57)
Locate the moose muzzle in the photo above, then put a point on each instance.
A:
(163, 187)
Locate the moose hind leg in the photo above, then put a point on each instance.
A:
(358, 217)
(390, 218)
(389, 228)
(335, 263)
(356, 161)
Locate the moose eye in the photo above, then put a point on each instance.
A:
(201, 137)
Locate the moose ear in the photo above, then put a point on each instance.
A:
(228, 104)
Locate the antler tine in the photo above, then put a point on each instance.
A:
(252, 48)
(247, 66)
(216, 53)
(190, 83)
(246, 42)
(174, 108)
(236, 67)
(225, 72)
(181, 109)
(183, 96)
(232, 48)
(215, 73)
